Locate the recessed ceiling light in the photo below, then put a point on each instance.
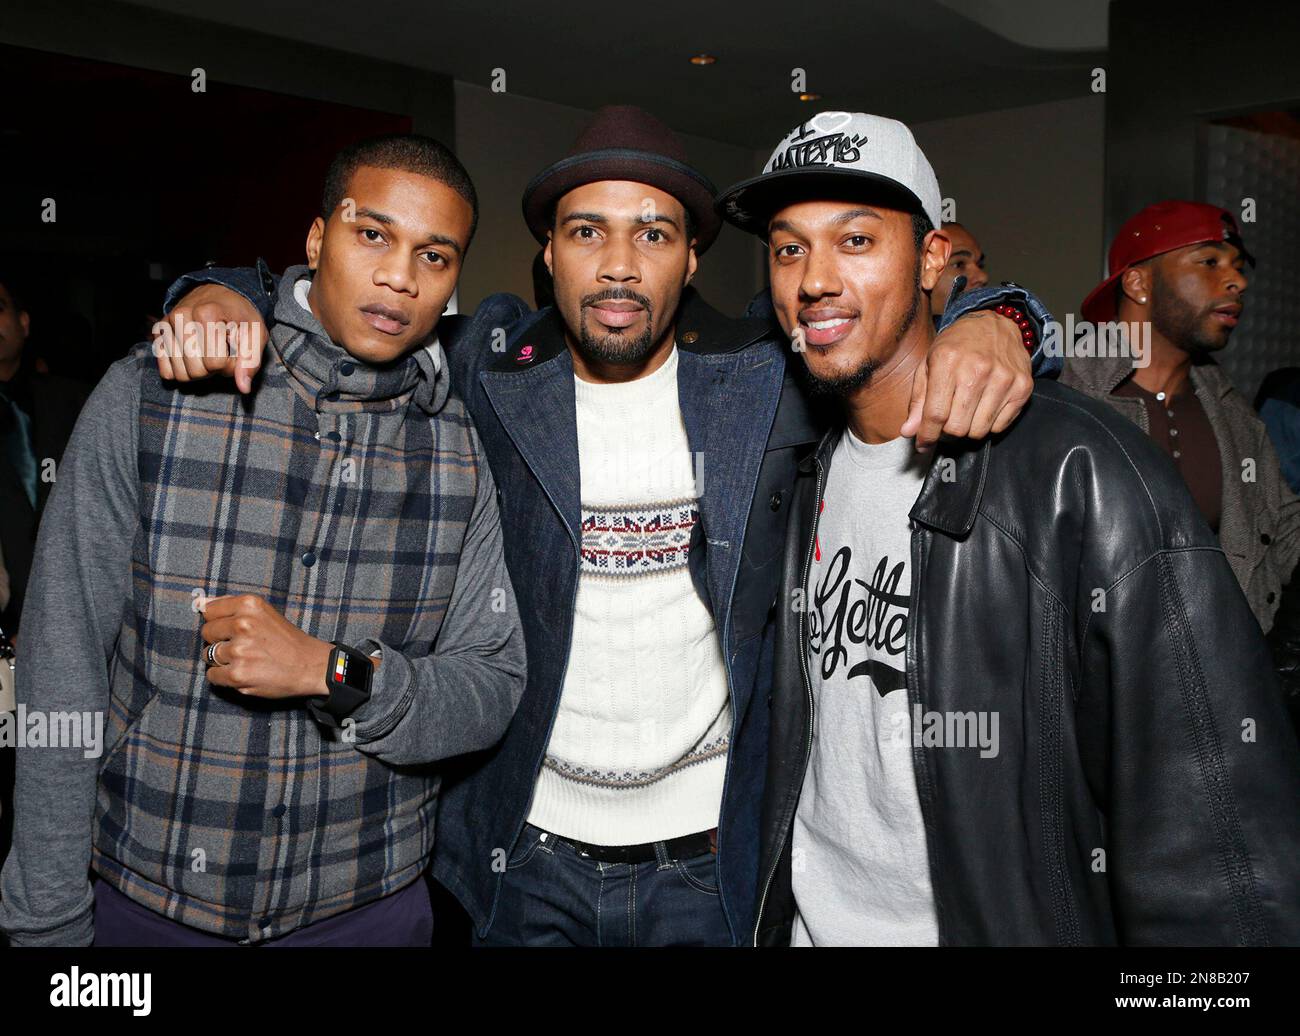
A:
(703, 59)
(810, 97)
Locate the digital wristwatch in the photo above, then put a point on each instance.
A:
(348, 681)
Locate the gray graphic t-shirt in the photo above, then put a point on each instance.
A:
(860, 870)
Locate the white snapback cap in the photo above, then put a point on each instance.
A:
(837, 154)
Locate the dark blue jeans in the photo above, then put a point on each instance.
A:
(551, 896)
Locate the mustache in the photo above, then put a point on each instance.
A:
(617, 295)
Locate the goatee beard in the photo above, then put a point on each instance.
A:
(613, 347)
(1182, 323)
(843, 385)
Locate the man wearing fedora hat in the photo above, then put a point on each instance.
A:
(1179, 267)
(644, 446)
(1018, 698)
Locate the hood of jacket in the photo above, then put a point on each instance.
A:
(335, 378)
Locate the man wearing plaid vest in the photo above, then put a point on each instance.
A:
(206, 560)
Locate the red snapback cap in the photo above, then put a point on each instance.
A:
(1159, 228)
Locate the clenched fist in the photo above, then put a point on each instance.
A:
(261, 653)
(212, 330)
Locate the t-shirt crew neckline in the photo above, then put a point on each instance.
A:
(896, 454)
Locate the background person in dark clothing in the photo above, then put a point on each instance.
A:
(1278, 404)
(37, 412)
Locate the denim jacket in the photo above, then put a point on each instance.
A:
(751, 421)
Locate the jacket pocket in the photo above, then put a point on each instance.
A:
(142, 820)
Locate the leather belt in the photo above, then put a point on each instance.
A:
(683, 848)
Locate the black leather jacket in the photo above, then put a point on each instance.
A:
(1147, 784)
(1284, 639)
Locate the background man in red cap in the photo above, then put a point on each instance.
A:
(1180, 267)
(645, 446)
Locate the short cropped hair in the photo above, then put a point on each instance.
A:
(921, 226)
(409, 152)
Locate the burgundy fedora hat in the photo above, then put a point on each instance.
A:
(623, 142)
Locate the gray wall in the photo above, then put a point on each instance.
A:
(1028, 183)
(505, 140)
(1171, 64)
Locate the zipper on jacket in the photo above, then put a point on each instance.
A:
(807, 686)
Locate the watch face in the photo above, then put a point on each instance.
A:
(349, 669)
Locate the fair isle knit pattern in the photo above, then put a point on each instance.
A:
(638, 752)
(629, 779)
(637, 541)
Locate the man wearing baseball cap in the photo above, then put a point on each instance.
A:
(1179, 269)
(645, 446)
(1011, 678)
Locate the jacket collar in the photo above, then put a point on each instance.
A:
(702, 329)
(1102, 375)
(531, 390)
(1209, 375)
(950, 497)
(336, 380)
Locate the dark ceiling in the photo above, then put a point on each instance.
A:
(916, 61)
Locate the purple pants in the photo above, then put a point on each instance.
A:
(404, 918)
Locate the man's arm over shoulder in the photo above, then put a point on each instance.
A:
(79, 586)
(1045, 365)
(256, 283)
(462, 696)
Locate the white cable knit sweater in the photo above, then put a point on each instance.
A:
(639, 748)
